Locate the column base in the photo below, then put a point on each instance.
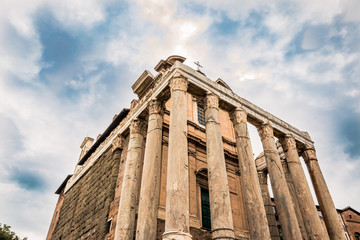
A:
(176, 235)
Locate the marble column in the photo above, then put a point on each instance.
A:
(150, 181)
(270, 214)
(331, 217)
(305, 200)
(283, 202)
(124, 229)
(293, 194)
(220, 204)
(177, 183)
(255, 211)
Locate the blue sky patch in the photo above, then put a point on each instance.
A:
(27, 179)
(226, 26)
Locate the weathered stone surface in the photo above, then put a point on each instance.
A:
(150, 183)
(256, 215)
(130, 188)
(177, 186)
(270, 214)
(306, 203)
(86, 204)
(280, 190)
(220, 206)
(295, 200)
(326, 203)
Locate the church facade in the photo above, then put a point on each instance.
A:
(178, 164)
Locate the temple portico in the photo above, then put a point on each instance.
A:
(194, 167)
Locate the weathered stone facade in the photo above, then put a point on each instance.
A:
(179, 165)
(85, 209)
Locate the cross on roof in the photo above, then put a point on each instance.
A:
(198, 65)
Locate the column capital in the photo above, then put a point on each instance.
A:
(156, 107)
(266, 131)
(262, 174)
(137, 126)
(212, 101)
(239, 115)
(118, 143)
(309, 154)
(287, 142)
(179, 82)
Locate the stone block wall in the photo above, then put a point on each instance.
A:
(86, 205)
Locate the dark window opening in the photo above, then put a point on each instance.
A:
(357, 236)
(205, 209)
(280, 233)
(201, 115)
(108, 225)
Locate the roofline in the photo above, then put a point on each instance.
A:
(348, 208)
(105, 134)
(63, 184)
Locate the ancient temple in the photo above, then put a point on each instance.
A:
(178, 164)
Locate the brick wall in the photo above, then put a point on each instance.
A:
(86, 205)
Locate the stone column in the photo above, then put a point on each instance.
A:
(220, 204)
(331, 217)
(127, 208)
(150, 181)
(293, 194)
(306, 203)
(270, 214)
(284, 206)
(177, 183)
(255, 211)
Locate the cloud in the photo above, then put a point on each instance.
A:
(67, 67)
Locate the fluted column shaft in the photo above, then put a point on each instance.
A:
(255, 211)
(331, 217)
(270, 215)
(127, 208)
(306, 203)
(220, 204)
(150, 182)
(177, 184)
(281, 193)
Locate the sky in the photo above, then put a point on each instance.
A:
(66, 68)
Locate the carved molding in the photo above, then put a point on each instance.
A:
(266, 131)
(212, 101)
(309, 154)
(179, 82)
(156, 107)
(118, 143)
(137, 126)
(238, 116)
(287, 142)
(262, 177)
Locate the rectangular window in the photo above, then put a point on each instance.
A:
(205, 209)
(201, 115)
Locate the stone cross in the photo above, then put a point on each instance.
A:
(198, 65)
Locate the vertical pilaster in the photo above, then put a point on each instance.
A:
(282, 196)
(127, 207)
(270, 214)
(331, 217)
(220, 205)
(177, 184)
(150, 182)
(255, 211)
(306, 203)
